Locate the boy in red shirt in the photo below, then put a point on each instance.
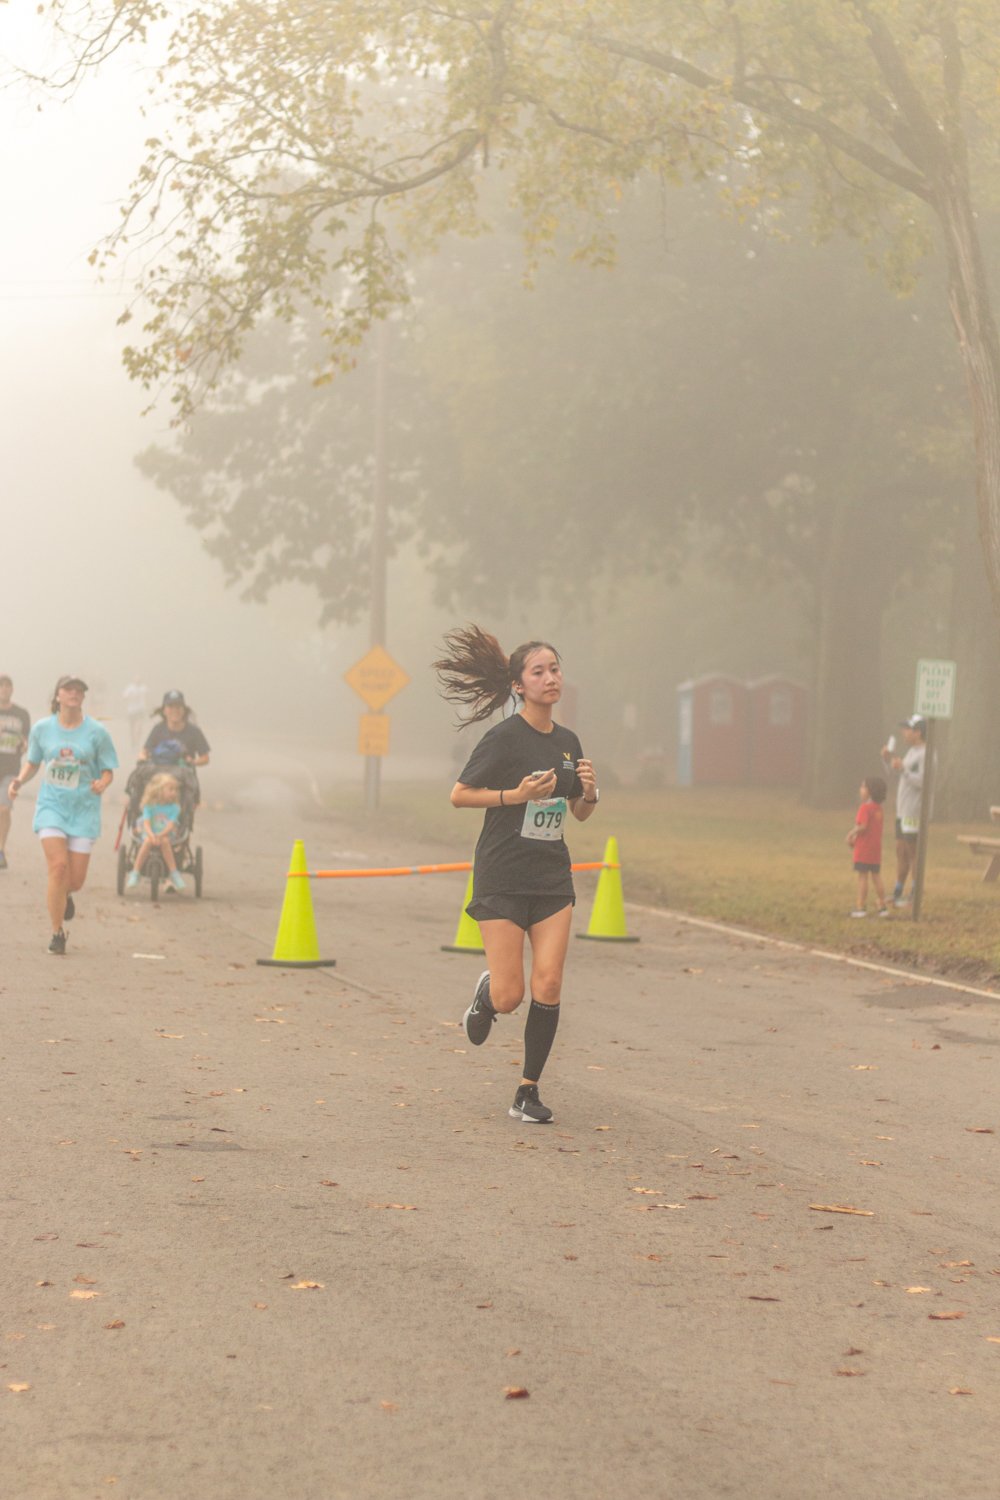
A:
(865, 838)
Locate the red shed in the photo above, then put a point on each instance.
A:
(712, 731)
(777, 708)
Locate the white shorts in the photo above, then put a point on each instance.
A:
(74, 844)
(6, 777)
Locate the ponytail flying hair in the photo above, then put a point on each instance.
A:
(477, 673)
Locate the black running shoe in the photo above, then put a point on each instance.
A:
(70, 911)
(528, 1106)
(58, 943)
(478, 1019)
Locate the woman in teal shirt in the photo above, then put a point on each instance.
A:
(79, 760)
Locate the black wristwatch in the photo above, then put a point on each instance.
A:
(590, 801)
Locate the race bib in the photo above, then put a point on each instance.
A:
(544, 820)
(10, 742)
(64, 774)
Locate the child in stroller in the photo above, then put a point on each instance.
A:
(160, 815)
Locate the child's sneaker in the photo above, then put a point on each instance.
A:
(858, 913)
(177, 880)
(132, 881)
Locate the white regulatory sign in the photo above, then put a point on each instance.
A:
(935, 695)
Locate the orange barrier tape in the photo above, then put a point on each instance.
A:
(592, 864)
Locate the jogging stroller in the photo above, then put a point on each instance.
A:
(187, 855)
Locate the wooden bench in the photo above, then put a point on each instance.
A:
(978, 844)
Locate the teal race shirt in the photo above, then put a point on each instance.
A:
(70, 760)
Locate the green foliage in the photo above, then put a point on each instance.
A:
(318, 144)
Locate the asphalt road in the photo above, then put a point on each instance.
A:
(272, 1234)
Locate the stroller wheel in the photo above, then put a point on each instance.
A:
(122, 869)
(198, 871)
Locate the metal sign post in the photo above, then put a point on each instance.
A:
(934, 699)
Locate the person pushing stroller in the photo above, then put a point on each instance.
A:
(160, 814)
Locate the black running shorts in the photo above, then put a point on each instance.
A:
(524, 911)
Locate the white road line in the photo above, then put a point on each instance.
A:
(838, 958)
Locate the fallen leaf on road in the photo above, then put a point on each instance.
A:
(864, 1067)
(753, 1298)
(45, 1238)
(84, 1295)
(116, 1324)
(990, 1338)
(602, 1127)
(653, 1192)
(171, 1036)
(949, 1265)
(960, 1390)
(482, 1305)
(43, 1283)
(259, 1305)
(979, 1130)
(406, 1207)
(327, 1183)
(571, 1257)
(916, 1290)
(307, 1286)
(85, 1280)
(842, 1208)
(850, 1372)
(946, 1317)
(696, 1197)
(388, 1406)
(512, 1352)
(515, 1392)
(852, 1353)
(23, 1385)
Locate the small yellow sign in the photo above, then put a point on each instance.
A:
(373, 734)
(376, 677)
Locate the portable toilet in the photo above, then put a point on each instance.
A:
(712, 731)
(777, 710)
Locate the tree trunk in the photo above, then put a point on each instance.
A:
(972, 312)
(846, 718)
(969, 775)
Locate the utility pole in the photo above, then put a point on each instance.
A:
(380, 528)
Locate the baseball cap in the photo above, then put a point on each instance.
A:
(69, 680)
(174, 696)
(915, 721)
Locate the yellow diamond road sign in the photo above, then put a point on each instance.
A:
(376, 677)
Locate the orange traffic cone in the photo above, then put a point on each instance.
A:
(607, 920)
(296, 945)
(468, 938)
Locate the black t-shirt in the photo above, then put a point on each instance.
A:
(507, 862)
(15, 726)
(190, 738)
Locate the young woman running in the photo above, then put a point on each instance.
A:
(79, 760)
(527, 772)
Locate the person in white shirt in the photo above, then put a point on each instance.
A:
(135, 694)
(909, 790)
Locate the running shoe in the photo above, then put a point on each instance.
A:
(177, 880)
(132, 881)
(527, 1106)
(858, 913)
(3, 860)
(883, 911)
(70, 911)
(479, 1017)
(58, 943)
